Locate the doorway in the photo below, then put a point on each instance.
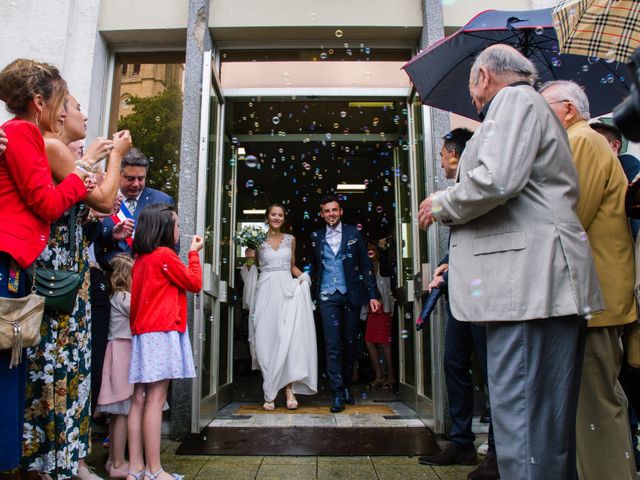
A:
(293, 150)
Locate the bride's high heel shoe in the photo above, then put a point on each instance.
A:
(292, 403)
(269, 406)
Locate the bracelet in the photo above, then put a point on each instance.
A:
(82, 165)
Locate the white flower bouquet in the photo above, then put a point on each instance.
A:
(250, 237)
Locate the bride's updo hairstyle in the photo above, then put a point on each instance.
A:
(271, 207)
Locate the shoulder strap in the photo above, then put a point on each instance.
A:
(72, 233)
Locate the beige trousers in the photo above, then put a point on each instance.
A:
(602, 426)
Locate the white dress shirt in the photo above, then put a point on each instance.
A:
(334, 237)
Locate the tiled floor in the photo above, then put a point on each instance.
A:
(218, 467)
(398, 415)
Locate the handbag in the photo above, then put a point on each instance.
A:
(60, 287)
(20, 320)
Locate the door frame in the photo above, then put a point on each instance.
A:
(423, 405)
(205, 409)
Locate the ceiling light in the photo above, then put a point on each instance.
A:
(370, 104)
(254, 211)
(353, 187)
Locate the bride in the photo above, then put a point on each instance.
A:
(282, 335)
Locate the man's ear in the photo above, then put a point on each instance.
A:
(483, 75)
(572, 112)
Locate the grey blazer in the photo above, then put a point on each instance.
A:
(518, 250)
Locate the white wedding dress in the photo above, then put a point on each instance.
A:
(282, 335)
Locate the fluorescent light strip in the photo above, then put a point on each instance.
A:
(254, 212)
(351, 186)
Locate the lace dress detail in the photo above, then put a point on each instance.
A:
(276, 260)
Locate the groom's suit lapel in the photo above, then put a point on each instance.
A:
(322, 235)
(343, 245)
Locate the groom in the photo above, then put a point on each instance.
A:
(345, 282)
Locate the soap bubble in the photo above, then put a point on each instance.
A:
(477, 287)
(539, 30)
(251, 161)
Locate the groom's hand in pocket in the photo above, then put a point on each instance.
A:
(374, 305)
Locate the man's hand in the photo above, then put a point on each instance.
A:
(425, 214)
(436, 282)
(374, 305)
(440, 270)
(123, 230)
(3, 141)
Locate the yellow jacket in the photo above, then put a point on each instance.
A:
(602, 185)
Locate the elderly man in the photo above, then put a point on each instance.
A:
(136, 195)
(518, 262)
(603, 436)
(461, 340)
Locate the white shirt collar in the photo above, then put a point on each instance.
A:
(127, 199)
(336, 229)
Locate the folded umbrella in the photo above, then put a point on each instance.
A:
(441, 72)
(430, 300)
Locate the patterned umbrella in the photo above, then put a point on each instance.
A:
(607, 29)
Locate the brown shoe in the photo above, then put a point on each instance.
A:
(452, 454)
(487, 470)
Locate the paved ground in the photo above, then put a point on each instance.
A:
(217, 467)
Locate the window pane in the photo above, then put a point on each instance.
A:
(147, 100)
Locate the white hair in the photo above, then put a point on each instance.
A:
(506, 63)
(567, 90)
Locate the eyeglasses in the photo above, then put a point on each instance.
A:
(560, 101)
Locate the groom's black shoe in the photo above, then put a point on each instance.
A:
(348, 398)
(337, 405)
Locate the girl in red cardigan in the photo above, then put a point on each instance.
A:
(160, 342)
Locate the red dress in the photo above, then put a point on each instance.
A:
(378, 328)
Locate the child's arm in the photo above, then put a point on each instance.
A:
(187, 277)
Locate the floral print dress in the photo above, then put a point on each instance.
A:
(58, 392)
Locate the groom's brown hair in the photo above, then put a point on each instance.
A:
(328, 199)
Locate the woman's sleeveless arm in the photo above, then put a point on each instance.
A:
(29, 169)
(189, 278)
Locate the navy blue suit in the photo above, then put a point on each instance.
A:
(340, 312)
(106, 248)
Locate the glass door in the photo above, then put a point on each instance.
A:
(413, 264)
(208, 328)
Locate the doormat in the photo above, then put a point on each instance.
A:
(288, 441)
(253, 409)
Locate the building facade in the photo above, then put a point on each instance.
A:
(266, 92)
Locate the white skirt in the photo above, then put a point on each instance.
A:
(159, 356)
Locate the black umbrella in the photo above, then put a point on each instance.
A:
(430, 300)
(441, 73)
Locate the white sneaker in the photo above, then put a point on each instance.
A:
(483, 448)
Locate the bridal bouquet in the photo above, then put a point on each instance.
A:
(250, 237)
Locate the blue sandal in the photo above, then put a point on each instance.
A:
(154, 476)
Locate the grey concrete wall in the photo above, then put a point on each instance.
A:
(52, 32)
(198, 40)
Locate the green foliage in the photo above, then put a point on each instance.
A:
(155, 129)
